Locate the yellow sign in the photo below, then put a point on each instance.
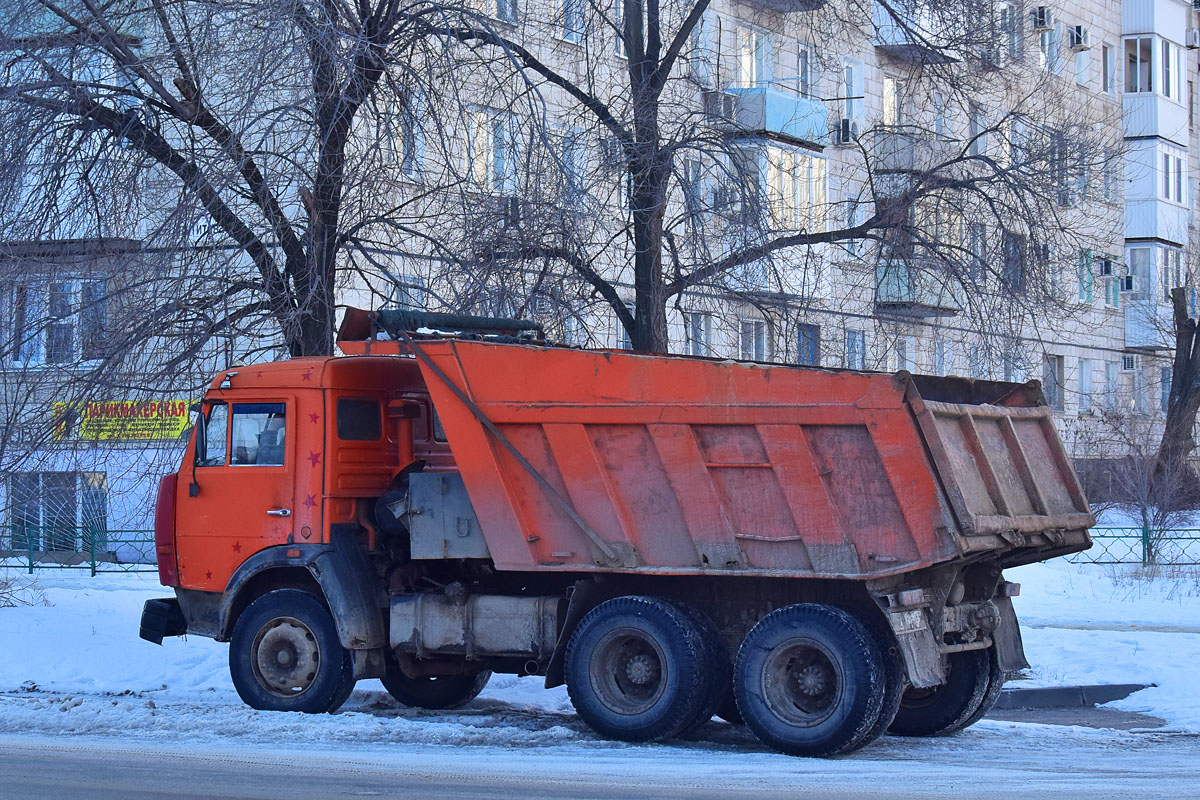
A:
(122, 419)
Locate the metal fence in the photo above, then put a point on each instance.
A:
(58, 547)
(1142, 545)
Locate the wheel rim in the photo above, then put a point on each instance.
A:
(801, 682)
(627, 671)
(286, 657)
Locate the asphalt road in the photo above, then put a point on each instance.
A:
(1012, 761)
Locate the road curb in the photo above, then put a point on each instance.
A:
(1067, 696)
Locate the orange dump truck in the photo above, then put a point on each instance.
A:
(816, 553)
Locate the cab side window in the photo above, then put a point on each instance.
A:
(210, 449)
(259, 434)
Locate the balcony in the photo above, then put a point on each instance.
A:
(903, 151)
(910, 39)
(1150, 114)
(788, 6)
(903, 289)
(760, 109)
(1147, 323)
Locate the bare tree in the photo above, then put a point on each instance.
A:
(225, 130)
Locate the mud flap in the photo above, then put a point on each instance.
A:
(1010, 651)
(162, 617)
(922, 657)
(352, 591)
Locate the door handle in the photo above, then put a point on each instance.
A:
(279, 512)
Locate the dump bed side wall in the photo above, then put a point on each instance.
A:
(683, 465)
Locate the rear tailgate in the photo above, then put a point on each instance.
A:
(1002, 466)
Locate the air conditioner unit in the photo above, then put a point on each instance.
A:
(720, 105)
(846, 131)
(1079, 38)
(1193, 38)
(1195, 5)
(1129, 363)
(540, 305)
(1067, 198)
(1127, 283)
(1043, 18)
(1106, 268)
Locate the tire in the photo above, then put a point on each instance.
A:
(809, 680)
(996, 678)
(716, 664)
(435, 691)
(635, 669)
(285, 655)
(946, 709)
(893, 686)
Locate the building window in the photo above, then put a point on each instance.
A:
(1083, 66)
(808, 345)
(1109, 175)
(754, 58)
(503, 10)
(1170, 270)
(1012, 274)
(58, 511)
(1050, 48)
(1085, 385)
(754, 341)
(1052, 381)
(804, 73)
(1171, 185)
(976, 130)
(624, 342)
(59, 321)
(943, 357)
(1139, 64)
(1111, 384)
(1164, 378)
(1086, 276)
(572, 20)
(904, 354)
(977, 251)
(619, 24)
(1172, 70)
(1012, 30)
(698, 329)
(1141, 270)
(795, 184)
(1108, 69)
(894, 102)
(941, 123)
(409, 291)
(856, 349)
(492, 150)
(852, 89)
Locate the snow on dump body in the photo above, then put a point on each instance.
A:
(682, 465)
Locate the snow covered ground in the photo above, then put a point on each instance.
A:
(77, 667)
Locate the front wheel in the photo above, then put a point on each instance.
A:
(435, 691)
(285, 655)
(810, 681)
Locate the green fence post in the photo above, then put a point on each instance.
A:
(1145, 545)
(91, 547)
(29, 549)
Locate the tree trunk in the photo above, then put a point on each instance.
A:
(1178, 440)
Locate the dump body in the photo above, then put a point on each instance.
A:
(684, 466)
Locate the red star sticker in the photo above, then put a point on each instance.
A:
(208, 575)
(260, 373)
(310, 501)
(313, 417)
(237, 547)
(314, 457)
(307, 376)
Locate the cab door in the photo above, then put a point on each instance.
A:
(236, 496)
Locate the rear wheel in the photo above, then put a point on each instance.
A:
(952, 706)
(635, 669)
(435, 691)
(285, 655)
(809, 680)
(716, 665)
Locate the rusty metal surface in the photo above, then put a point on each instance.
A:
(684, 466)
